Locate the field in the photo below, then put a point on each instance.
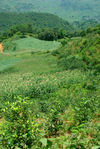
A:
(20, 54)
(46, 103)
(35, 44)
(30, 44)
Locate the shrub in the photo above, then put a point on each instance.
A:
(72, 62)
(19, 129)
(9, 46)
(54, 120)
(85, 109)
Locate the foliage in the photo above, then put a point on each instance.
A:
(63, 106)
(30, 43)
(72, 62)
(51, 35)
(54, 121)
(30, 22)
(70, 10)
(85, 109)
(20, 130)
(81, 53)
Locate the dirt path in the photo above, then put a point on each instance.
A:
(1, 48)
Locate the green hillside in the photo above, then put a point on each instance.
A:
(50, 99)
(21, 53)
(67, 9)
(81, 52)
(38, 20)
(49, 74)
(29, 44)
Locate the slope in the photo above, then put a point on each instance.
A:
(50, 107)
(39, 20)
(68, 9)
(20, 54)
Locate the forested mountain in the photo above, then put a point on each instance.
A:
(68, 9)
(40, 20)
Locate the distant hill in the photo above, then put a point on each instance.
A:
(85, 24)
(40, 20)
(67, 9)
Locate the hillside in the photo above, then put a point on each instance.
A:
(67, 9)
(81, 52)
(49, 74)
(38, 20)
(50, 92)
(29, 44)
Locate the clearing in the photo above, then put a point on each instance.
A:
(28, 55)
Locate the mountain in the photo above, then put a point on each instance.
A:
(67, 9)
(38, 20)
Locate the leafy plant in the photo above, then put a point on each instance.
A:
(85, 109)
(54, 121)
(19, 129)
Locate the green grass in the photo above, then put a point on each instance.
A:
(35, 44)
(28, 54)
(43, 62)
(73, 94)
(29, 44)
(5, 64)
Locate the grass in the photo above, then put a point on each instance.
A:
(7, 63)
(28, 62)
(29, 54)
(73, 94)
(32, 44)
(43, 62)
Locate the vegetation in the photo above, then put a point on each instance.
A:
(81, 53)
(49, 90)
(36, 20)
(82, 25)
(30, 43)
(69, 10)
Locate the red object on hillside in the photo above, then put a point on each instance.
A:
(1, 48)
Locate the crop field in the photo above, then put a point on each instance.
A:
(22, 56)
(31, 44)
(44, 105)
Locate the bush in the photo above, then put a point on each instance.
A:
(9, 46)
(19, 129)
(54, 120)
(85, 109)
(72, 62)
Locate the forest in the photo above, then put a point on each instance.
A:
(70, 10)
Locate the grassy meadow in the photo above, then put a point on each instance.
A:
(49, 94)
(30, 44)
(28, 55)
